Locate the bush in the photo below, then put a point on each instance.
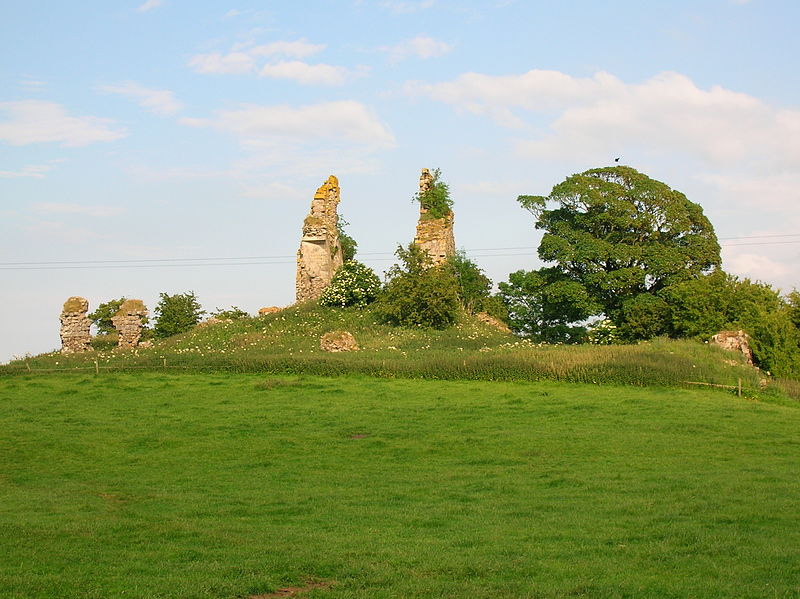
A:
(418, 293)
(603, 332)
(545, 306)
(232, 313)
(719, 301)
(474, 287)
(354, 284)
(176, 314)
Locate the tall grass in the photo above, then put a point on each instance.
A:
(288, 342)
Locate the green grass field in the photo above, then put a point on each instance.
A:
(232, 485)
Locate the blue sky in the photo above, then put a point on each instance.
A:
(152, 135)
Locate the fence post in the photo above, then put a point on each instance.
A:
(96, 367)
(740, 387)
(165, 362)
(28, 365)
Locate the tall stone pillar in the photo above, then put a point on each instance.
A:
(75, 337)
(320, 254)
(129, 321)
(434, 235)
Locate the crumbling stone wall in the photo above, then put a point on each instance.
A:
(320, 254)
(129, 321)
(434, 235)
(736, 341)
(75, 325)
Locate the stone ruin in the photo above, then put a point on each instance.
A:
(75, 337)
(320, 254)
(129, 321)
(434, 235)
(338, 341)
(736, 341)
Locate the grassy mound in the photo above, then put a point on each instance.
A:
(288, 342)
(231, 486)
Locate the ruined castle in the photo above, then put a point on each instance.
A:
(318, 259)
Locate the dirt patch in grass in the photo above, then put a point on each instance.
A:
(294, 591)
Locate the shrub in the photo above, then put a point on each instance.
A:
(176, 314)
(354, 284)
(603, 332)
(474, 287)
(418, 293)
(232, 313)
(704, 306)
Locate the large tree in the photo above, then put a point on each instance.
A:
(623, 238)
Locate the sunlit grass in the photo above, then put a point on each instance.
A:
(223, 486)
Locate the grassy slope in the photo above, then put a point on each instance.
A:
(221, 485)
(288, 342)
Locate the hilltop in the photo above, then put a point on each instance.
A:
(289, 342)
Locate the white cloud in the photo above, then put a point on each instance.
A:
(34, 171)
(233, 63)
(406, 6)
(296, 49)
(421, 46)
(345, 119)
(665, 114)
(756, 267)
(32, 85)
(307, 74)
(242, 59)
(778, 192)
(37, 121)
(489, 188)
(159, 101)
(65, 208)
(149, 5)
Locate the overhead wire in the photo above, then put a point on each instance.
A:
(289, 259)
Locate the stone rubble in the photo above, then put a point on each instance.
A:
(129, 322)
(320, 254)
(338, 341)
(493, 322)
(75, 337)
(434, 235)
(268, 310)
(736, 341)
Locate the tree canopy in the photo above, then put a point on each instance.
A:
(620, 238)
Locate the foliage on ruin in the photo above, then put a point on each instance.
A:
(176, 314)
(354, 284)
(102, 316)
(346, 242)
(436, 199)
